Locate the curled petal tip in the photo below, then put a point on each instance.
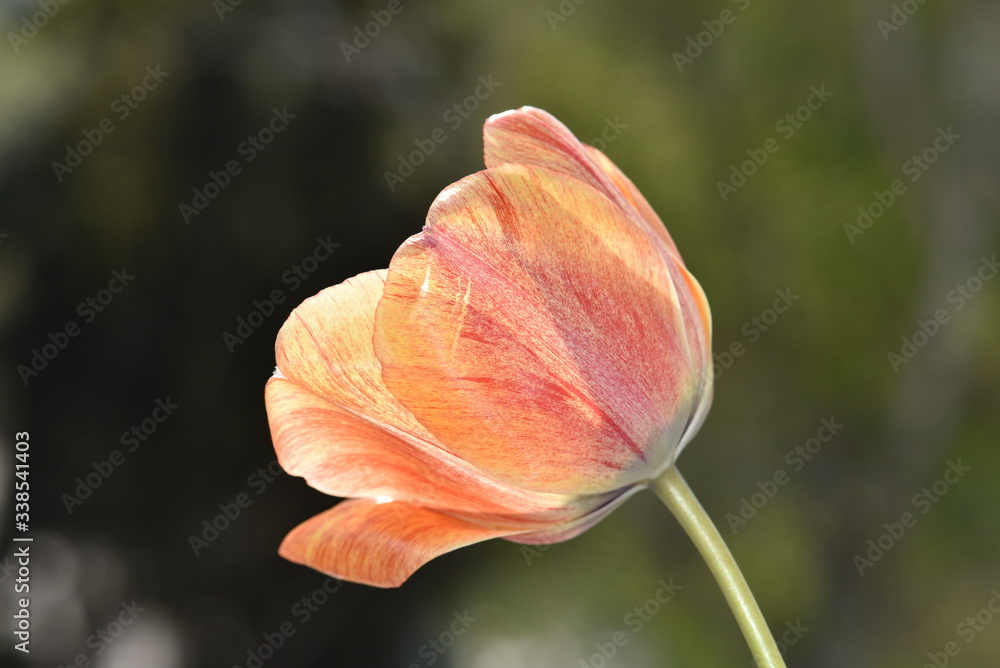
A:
(379, 544)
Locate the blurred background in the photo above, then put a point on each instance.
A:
(829, 171)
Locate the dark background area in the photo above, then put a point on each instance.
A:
(680, 129)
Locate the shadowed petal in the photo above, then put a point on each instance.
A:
(698, 320)
(560, 531)
(379, 544)
(535, 330)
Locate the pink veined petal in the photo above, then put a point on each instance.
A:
(534, 329)
(534, 137)
(530, 136)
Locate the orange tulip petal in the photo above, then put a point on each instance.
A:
(530, 136)
(535, 330)
(635, 198)
(534, 137)
(379, 544)
(343, 453)
(325, 346)
(334, 422)
(698, 320)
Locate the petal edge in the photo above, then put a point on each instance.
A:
(379, 544)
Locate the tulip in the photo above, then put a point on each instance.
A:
(535, 356)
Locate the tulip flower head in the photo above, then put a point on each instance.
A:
(537, 354)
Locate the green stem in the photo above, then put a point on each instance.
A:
(681, 501)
